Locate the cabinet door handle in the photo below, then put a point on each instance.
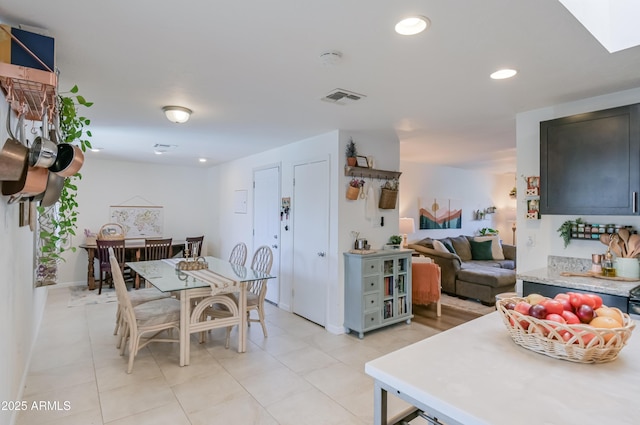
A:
(634, 200)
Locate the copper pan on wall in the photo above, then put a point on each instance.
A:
(13, 157)
(69, 160)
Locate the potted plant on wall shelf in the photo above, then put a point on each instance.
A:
(565, 230)
(351, 153)
(57, 223)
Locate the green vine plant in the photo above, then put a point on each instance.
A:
(565, 230)
(58, 222)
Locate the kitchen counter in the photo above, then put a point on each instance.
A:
(474, 374)
(550, 276)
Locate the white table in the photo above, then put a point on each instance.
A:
(163, 275)
(475, 374)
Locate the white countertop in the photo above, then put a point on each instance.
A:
(552, 277)
(475, 374)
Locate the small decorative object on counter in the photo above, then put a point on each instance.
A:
(596, 263)
(395, 241)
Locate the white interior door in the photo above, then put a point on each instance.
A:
(310, 212)
(266, 222)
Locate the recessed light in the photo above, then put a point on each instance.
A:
(96, 149)
(501, 74)
(202, 159)
(412, 25)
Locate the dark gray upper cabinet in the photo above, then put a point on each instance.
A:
(590, 163)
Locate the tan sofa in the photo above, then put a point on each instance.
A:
(466, 277)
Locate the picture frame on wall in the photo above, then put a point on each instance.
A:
(361, 161)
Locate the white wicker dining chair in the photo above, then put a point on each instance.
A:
(238, 254)
(257, 289)
(139, 321)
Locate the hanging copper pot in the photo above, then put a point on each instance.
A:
(69, 160)
(13, 157)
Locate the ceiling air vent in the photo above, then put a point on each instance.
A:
(159, 148)
(342, 97)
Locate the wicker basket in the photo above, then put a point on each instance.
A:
(546, 337)
(388, 199)
(352, 193)
(111, 232)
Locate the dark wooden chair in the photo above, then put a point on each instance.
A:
(157, 249)
(102, 248)
(194, 245)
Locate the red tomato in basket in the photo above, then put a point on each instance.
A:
(554, 307)
(597, 299)
(570, 317)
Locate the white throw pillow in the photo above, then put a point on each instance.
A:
(496, 248)
(439, 246)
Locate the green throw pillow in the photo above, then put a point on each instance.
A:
(481, 250)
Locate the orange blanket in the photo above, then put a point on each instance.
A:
(425, 283)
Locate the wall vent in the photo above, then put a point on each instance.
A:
(342, 97)
(160, 148)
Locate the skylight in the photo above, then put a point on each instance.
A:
(612, 22)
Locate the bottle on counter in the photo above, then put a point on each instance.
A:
(607, 265)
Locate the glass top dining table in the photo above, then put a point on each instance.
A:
(192, 285)
(164, 276)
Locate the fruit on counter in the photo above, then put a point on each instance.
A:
(553, 306)
(538, 311)
(534, 299)
(570, 317)
(585, 313)
(522, 307)
(614, 313)
(569, 308)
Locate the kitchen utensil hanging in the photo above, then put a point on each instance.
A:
(14, 155)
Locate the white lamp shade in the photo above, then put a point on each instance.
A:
(407, 225)
(177, 114)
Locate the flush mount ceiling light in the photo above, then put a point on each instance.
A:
(501, 74)
(412, 25)
(177, 114)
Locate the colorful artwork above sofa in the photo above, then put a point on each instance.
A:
(441, 214)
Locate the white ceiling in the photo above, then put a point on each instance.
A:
(250, 71)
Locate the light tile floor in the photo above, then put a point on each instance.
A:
(300, 374)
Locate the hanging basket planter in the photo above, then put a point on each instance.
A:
(388, 199)
(352, 193)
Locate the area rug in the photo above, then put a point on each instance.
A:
(81, 295)
(466, 305)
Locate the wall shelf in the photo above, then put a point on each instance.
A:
(30, 90)
(372, 173)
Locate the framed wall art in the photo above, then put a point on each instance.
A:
(441, 214)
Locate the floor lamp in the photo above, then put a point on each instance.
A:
(513, 229)
(407, 225)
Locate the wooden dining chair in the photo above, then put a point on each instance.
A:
(102, 248)
(238, 254)
(157, 249)
(195, 245)
(146, 322)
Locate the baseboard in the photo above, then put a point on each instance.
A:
(336, 330)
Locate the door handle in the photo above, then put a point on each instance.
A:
(321, 254)
(274, 246)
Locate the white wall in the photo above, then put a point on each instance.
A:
(21, 305)
(238, 175)
(184, 192)
(543, 233)
(344, 215)
(474, 190)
